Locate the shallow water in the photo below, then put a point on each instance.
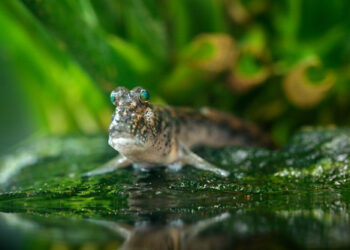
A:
(297, 196)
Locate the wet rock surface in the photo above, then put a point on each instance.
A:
(296, 196)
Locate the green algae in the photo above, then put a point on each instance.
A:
(297, 195)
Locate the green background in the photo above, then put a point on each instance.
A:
(60, 59)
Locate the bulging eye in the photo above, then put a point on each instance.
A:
(144, 95)
(112, 98)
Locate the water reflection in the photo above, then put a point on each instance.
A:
(219, 232)
(173, 235)
(245, 228)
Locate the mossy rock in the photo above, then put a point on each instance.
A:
(294, 195)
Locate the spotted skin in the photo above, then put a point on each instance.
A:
(151, 135)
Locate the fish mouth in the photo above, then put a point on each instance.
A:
(121, 135)
(122, 140)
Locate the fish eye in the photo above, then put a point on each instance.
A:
(144, 95)
(112, 98)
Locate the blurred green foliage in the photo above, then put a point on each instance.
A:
(282, 64)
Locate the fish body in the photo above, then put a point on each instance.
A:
(153, 135)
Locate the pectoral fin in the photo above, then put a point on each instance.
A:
(196, 161)
(117, 162)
